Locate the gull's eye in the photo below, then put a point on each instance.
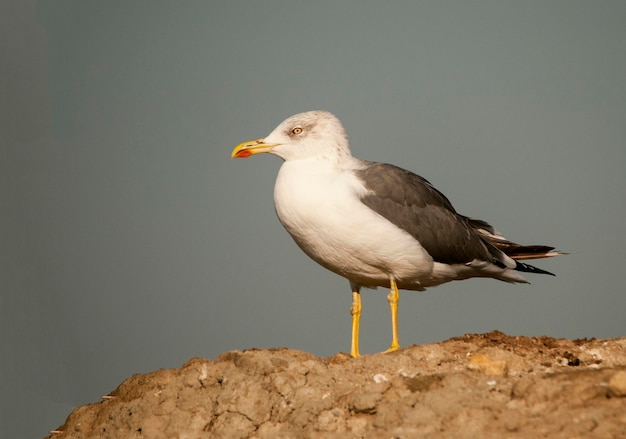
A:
(296, 131)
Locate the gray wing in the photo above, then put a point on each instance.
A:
(413, 204)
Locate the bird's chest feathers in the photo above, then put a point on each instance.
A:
(314, 201)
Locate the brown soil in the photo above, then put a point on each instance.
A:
(475, 386)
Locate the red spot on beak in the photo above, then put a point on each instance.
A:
(244, 153)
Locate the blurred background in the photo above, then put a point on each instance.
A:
(130, 241)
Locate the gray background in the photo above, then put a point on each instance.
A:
(131, 242)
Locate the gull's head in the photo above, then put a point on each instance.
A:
(305, 135)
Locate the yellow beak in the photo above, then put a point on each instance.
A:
(252, 147)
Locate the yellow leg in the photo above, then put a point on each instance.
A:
(393, 298)
(355, 310)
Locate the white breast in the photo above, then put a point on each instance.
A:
(319, 206)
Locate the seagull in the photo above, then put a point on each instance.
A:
(376, 224)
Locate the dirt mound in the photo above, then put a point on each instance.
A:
(475, 386)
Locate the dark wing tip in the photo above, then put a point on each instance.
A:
(527, 268)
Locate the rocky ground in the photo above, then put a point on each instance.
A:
(475, 386)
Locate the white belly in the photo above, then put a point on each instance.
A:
(321, 210)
